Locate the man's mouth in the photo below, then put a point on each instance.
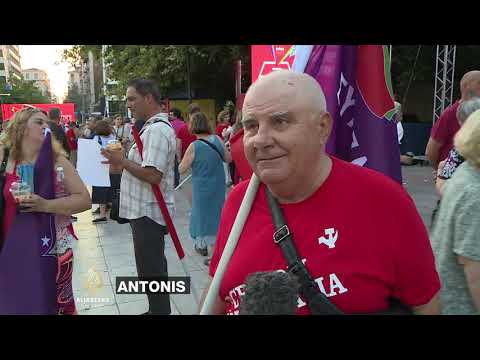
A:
(269, 158)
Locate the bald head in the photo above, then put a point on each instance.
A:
(289, 87)
(286, 129)
(470, 84)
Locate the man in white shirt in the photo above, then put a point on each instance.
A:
(137, 201)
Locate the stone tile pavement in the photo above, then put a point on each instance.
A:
(106, 250)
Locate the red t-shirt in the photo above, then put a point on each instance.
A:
(376, 244)
(445, 129)
(242, 167)
(186, 137)
(220, 128)
(71, 139)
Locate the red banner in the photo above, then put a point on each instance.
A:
(268, 58)
(67, 110)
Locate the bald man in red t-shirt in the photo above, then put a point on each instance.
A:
(447, 125)
(344, 218)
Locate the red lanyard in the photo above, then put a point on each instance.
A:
(161, 202)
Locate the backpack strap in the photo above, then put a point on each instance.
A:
(154, 122)
(145, 127)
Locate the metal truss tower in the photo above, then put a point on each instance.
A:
(444, 76)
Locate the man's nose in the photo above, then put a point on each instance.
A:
(263, 138)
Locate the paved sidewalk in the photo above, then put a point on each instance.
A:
(107, 250)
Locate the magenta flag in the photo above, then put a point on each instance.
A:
(28, 265)
(357, 86)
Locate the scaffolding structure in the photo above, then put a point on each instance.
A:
(444, 76)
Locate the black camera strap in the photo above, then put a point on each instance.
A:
(316, 300)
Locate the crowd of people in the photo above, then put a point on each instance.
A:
(354, 248)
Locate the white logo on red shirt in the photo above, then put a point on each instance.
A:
(332, 238)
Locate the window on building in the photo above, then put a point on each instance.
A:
(27, 76)
(35, 76)
(2, 66)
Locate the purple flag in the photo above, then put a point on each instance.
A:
(28, 266)
(357, 86)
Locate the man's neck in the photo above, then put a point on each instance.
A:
(292, 192)
(154, 111)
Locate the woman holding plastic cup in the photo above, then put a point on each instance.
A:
(23, 138)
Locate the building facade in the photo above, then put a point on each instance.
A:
(74, 77)
(10, 66)
(40, 79)
(85, 83)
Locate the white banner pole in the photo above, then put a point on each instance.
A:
(230, 245)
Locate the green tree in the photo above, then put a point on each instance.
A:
(209, 67)
(74, 96)
(409, 64)
(24, 92)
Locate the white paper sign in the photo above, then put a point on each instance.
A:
(89, 164)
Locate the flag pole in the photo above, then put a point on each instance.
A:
(237, 228)
(183, 182)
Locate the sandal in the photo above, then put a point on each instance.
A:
(201, 251)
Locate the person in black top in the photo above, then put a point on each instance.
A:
(59, 134)
(57, 130)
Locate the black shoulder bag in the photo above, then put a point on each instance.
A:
(3, 168)
(316, 300)
(213, 147)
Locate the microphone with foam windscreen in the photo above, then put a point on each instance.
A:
(270, 293)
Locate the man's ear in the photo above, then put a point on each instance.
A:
(325, 123)
(148, 98)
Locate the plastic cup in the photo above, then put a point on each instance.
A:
(114, 145)
(20, 192)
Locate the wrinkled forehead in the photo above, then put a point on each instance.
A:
(270, 97)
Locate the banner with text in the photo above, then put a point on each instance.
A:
(268, 58)
(67, 110)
